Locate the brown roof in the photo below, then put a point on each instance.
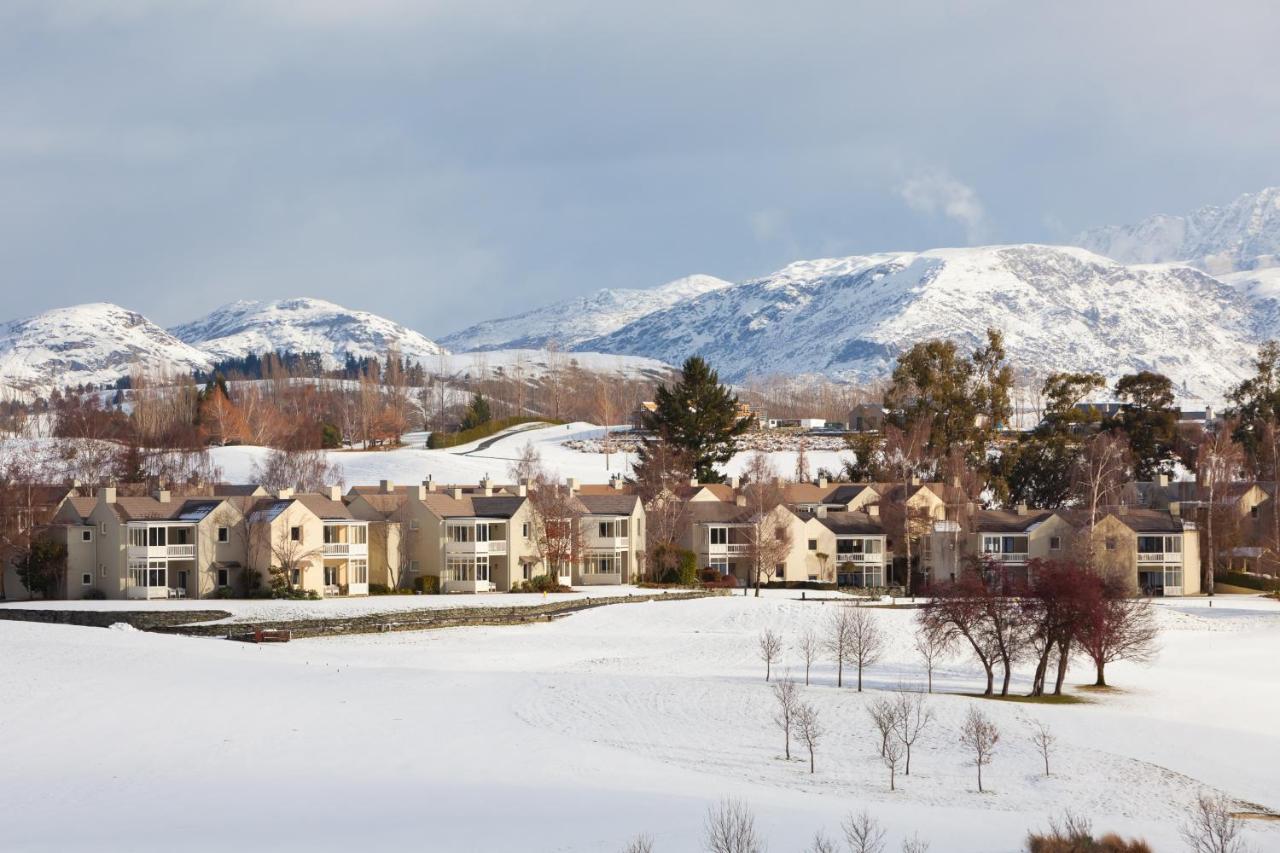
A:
(612, 504)
(605, 489)
(323, 507)
(474, 506)
(852, 522)
(1003, 521)
(385, 504)
(83, 506)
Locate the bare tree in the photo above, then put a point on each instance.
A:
(659, 473)
(915, 844)
(905, 454)
(788, 698)
(555, 525)
(839, 641)
(891, 756)
(809, 647)
(1100, 475)
(822, 844)
(1044, 739)
(980, 735)
(289, 556)
(866, 640)
(1118, 628)
(527, 467)
(933, 644)
(301, 470)
(1213, 827)
(731, 828)
(809, 729)
(1218, 462)
(640, 844)
(882, 711)
(911, 716)
(863, 833)
(768, 539)
(770, 650)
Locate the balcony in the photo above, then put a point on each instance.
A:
(1008, 559)
(608, 543)
(162, 552)
(1164, 557)
(344, 549)
(494, 547)
(729, 549)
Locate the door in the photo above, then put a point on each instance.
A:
(182, 579)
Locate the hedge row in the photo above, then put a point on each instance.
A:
(1262, 583)
(438, 440)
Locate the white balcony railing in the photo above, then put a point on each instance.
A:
(608, 543)
(1174, 557)
(496, 546)
(344, 549)
(181, 550)
(161, 552)
(1006, 558)
(732, 549)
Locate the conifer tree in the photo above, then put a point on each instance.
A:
(1148, 418)
(699, 417)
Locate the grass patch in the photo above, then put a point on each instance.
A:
(1065, 699)
(1093, 688)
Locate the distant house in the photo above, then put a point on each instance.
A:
(867, 417)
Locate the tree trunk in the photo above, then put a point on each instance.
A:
(1102, 674)
(1064, 656)
(810, 759)
(930, 670)
(787, 737)
(859, 676)
(908, 767)
(979, 777)
(1042, 667)
(840, 674)
(990, 679)
(1008, 671)
(1208, 561)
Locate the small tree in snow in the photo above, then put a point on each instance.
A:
(809, 729)
(863, 833)
(892, 755)
(822, 844)
(640, 844)
(1044, 740)
(933, 645)
(1213, 827)
(915, 844)
(980, 735)
(731, 828)
(809, 648)
(839, 641)
(784, 690)
(770, 650)
(866, 640)
(911, 716)
(882, 711)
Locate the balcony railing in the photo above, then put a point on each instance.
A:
(493, 546)
(344, 549)
(608, 543)
(155, 552)
(1160, 557)
(732, 549)
(1006, 558)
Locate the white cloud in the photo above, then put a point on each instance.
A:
(935, 192)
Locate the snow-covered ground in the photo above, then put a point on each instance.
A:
(577, 735)
(468, 463)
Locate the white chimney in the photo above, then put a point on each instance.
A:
(284, 494)
(821, 512)
(486, 486)
(1021, 509)
(822, 482)
(573, 484)
(740, 500)
(164, 496)
(335, 493)
(422, 491)
(1175, 509)
(873, 510)
(429, 484)
(456, 493)
(522, 490)
(734, 482)
(386, 486)
(693, 482)
(108, 494)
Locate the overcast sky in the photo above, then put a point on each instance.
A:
(442, 163)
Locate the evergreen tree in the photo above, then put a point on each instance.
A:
(1255, 402)
(699, 417)
(1149, 419)
(477, 412)
(42, 566)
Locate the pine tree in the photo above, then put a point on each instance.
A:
(1148, 418)
(700, 417)
(477, 412)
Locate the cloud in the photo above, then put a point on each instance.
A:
(934, 192)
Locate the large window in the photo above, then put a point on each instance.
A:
(719, 536)
(358, 571)
(151, 574)
(1004, 544)
(466, 569)
(603, 564)
(616, 529)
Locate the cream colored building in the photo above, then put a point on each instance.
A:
(312, 541)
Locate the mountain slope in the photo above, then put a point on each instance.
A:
(302, 325)
(1060, 309)
(1243, 235)
(572, 321)
(95, 343)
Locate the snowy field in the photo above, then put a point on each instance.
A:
(579, 734)
(469, 462)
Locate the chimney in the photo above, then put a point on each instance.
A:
(1175, 509)
(284, 494)
(108, 494)
(335, 492)
(822, 482)
(486, 486)
(386, 486)
(740, 500)
(422, 491)
(734, 483)
(1162, 480)
(915, 479)
(456, 493)
(163, 496)
(821, 512)
(429, 484)
(522, 490)
(1021, 509)
(873, 510)
(693, 482)
(572, 482)
(617, 482)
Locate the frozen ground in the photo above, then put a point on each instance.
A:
(578, 734)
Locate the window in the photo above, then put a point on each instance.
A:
(224, 577)
(86, 535)
(295, 534)
(413, 524)
(779, 570)
(102, 528)
(1111, 543)
(413, 566)
(86, 579)
(524, 531)
(719, 536)
(224, 534)
(1253, 512)
(138, 537)
(813, 544)
(526, 570)
(295, 576)
(358, 571)
(779, 534)
(157, 537)
(358, 534)
(1055, 543)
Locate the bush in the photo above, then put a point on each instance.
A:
(427, 585)
(800, 585)
(541, 583)
(720, 581)
(330, 436)
(383, 589)
(1075, 835)
(224, 592)
(438, 440)
(1262, 583)
(94, 595)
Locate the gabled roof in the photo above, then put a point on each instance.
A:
(1003, 521)
(83, 507)
(851, 523)
(610, 504)
(324, 507)
(473, 506)
(1148, 520)
(385, 504)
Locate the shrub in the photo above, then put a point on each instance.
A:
(438, 440)
(224, 592)
(330, 436)
(379, 589)
(1075, 835)
(1262, 583)
(94, 595)
(720, 581)
(427, 585)
(541, 583)
(800, 585)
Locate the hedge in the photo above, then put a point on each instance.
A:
(438, 440)
(1262, 583)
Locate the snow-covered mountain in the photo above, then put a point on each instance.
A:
(95, 343)
(1243, 235)
(1060, 308)
(302, 325)
(573, 321)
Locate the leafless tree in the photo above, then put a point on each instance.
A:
(866, 640)
(527, 467)
(301, 470)
(905, 454)
(1213, 827)
(731, 828)
(911, 716)
(770, 650)
(788, 697)
(1044, 739)
(863, 833)
(659, 474)
(915, 844)
(933, 644)
(822, 844)
(768, 539)
(1100, 475)
(839, 641)
(809, 729)
(555, 524)
(1218, 462)
(809, 647)
(891, 756)
(980, 735)
(640, 844)
(802, 462)
(882, 710)
(289, 555)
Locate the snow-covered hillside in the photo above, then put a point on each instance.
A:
(1060, 308)
(95, 343)
(1240, 236)
(302, 325)
(572, 321)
